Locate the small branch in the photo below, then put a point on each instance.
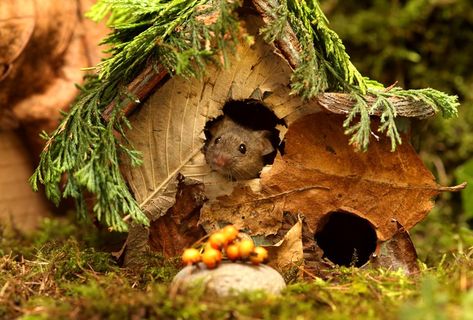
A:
(453, 188)
(390, 87)
(339, 103)
(141, 87)
(289, 44)
(342, 103)
(276, 195)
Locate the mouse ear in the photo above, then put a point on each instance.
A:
(267, 146)
(220, 125)
(217, 126)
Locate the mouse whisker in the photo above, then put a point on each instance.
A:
(243, 173)
(229, 174)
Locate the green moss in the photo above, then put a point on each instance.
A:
(160, 269)
(54, 229)
(66, 279)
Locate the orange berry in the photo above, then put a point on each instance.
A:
(230, 233)
(245, 248)
(207, 246)
(217, 240)
(190, 256)
(232, 252)
(211, 257)
(259, 255)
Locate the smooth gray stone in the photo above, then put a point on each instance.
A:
(229, 278)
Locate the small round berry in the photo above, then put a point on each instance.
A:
(207, 246)
(232, 252)
(217, 240)
(191, 256)
(211, 257)
(259, 255)
(245, 248)
(230, 233)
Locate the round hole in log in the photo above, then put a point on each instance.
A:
(346, 239)
(252, 114)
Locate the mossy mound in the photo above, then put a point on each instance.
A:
(59, 273)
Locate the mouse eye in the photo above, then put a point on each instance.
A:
(218, 140)
(242, 148)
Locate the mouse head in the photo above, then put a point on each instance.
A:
(235, 151)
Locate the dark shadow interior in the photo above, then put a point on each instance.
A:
(346, 239)
(251, 114)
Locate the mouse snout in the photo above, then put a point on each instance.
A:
(221, 161)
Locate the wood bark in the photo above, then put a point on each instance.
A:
(45, 46)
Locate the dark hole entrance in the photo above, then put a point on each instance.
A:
(346, 239)
(253, 115)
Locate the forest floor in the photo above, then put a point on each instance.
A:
(62, 272)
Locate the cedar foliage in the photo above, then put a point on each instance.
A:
(184, 36)
(420, 43)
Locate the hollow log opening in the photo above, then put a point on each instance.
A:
(346, 239)
(252, 114)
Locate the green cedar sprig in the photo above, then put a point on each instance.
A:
(360, 130)
(85, 149)
(325, 65)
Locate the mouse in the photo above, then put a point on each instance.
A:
(236, 151)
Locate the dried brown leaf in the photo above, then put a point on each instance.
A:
(320, 173)
(378, 185)
(288, 251)
(178, 229)
(396, 253)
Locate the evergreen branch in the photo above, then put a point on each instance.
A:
(361, 130)
(387, 119)
(87, 149)
(323, 63)
(438, 101)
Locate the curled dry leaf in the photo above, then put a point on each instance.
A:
(319, 174)
(178, 229)
(287, 252)
(396, 253)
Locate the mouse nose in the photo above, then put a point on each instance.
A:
(220, 161)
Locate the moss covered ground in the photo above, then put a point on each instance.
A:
(63, 271)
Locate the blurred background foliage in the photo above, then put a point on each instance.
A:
(423, 43)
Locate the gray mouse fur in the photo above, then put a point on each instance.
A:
(235, 151)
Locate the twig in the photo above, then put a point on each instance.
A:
(141, 87)
(454, 188)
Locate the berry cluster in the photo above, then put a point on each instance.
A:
(227, 243)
